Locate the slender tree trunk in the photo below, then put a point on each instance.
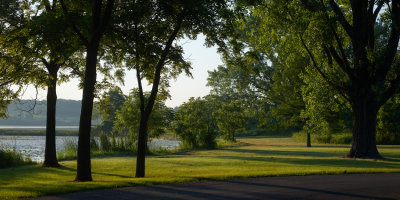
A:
(142, 145)
(145, 111)
(84, 172)
(308, 139)
(50, 157)
(365, 110)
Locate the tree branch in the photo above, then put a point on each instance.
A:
(45, 62)
(47, 5)
(5, 83)
(346, 25)
(393, 41)
(340, 89)
(141, 96)
(161, 62)
(69, 20)
(378, 9)
(106, 17)
(394, 34)
(341, 63)
(394, 84)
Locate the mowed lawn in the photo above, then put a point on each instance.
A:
(265, 156)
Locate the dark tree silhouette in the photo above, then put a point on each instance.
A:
(100, 14)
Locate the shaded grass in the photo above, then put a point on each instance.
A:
(261, 156)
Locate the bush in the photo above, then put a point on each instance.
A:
(383, 137)
(94, 144)
(195, 124)
(70, 149)
(12, 158)
(342, 138)
(388, 126)
(207, 140)
(105, 144)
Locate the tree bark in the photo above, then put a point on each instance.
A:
(365, 110)
(308, 139)
(84, 172)
(142, 145)
(50, 156)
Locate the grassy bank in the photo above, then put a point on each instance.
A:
(256, 157)
(36, 132)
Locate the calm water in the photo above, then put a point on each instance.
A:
(36, 127)
(33, 146)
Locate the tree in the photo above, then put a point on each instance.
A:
(195, 123)
(274, 78)
(90, 32)
(147, 32)
(13, 64)
(46, 41)
(345, 48)
(55, 39)
(230, 92)
(111, 102)
(128, 117)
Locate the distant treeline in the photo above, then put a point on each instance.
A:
(31, 113)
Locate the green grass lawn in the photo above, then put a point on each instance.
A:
(255, 157)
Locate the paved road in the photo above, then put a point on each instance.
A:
(354, 186)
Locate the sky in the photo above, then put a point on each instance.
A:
(203, 59)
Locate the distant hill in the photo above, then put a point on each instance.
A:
(27, 113)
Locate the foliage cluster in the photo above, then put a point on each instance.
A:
(195, 124)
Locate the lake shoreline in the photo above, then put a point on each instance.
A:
(37, 132)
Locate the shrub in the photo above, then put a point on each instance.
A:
(70, 149)
(388, 126)
(105, 144)
(195, 124)
(12, 158)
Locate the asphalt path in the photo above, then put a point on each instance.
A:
(347, 186)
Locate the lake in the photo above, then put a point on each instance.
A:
(36, 127)
(33, 146)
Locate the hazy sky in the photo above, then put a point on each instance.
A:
(203, 59)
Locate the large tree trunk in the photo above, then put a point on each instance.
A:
(142, 145)
(50, 157)
(84, 172)
(365, 110)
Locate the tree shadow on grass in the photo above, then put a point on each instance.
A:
(317, 162)
(99, 173)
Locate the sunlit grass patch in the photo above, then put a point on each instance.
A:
(263, 156)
